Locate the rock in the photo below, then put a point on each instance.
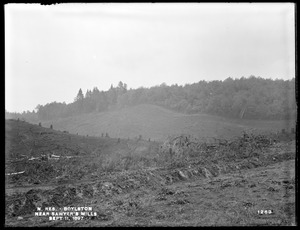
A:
(182, 175)
(20, 218)
(195, 171)
(107, 185)
(271, 189)
(107, 188)
(252, 185)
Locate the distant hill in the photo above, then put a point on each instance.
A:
(157, 123)
(244, 98)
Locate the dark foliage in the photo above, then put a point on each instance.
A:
(248, 98)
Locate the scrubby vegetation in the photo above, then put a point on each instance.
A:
(146, 183)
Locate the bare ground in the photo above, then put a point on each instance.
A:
(223, 193)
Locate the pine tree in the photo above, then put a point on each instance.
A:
(79, 95)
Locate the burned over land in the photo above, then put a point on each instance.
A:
(248, 180)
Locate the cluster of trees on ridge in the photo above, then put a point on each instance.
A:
(248, 98)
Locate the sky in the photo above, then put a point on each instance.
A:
(51, 51)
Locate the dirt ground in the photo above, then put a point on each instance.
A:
(253, 189)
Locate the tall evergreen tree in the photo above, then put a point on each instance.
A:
(79, 95)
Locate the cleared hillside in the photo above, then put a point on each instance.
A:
(157, 123)
(142, 183)
(47, 155)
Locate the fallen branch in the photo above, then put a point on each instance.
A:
(8, 174)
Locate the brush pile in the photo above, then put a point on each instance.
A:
(179, 150)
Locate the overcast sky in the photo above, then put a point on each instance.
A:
(52, 51)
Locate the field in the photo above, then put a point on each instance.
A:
(247, 180)
(157, 123)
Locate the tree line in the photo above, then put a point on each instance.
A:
(244, 98)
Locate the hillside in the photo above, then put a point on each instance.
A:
(146, 183)
(247, 98)
(44, 154)
(157, 123)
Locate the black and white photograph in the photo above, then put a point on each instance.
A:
(150, 114)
